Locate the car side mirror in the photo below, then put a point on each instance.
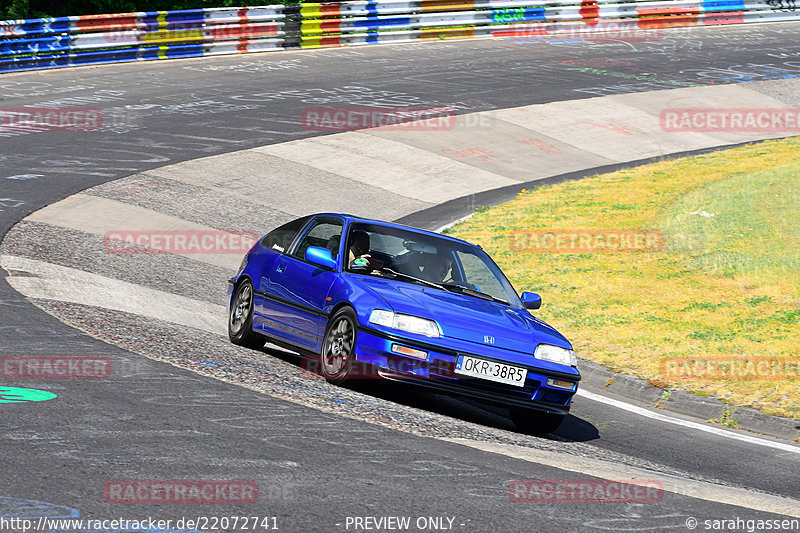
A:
(531, 300)
(321, 257)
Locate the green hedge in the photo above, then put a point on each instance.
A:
(26, 9)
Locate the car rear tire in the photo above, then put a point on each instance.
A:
(240, 318)
(337, 357)
(535, 422)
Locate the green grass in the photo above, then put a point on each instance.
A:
(753, 232)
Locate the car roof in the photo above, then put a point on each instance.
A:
(353, 218)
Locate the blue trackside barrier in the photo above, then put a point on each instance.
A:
(93, 39)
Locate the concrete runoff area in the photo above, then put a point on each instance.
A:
(409, 170)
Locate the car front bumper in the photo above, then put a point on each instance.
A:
(436, 371)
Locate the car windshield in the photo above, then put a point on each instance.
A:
(411, 257)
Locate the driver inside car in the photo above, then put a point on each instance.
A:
(359, 257)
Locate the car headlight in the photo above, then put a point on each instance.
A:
(411, 324)
(547, 352)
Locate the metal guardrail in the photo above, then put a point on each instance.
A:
(84, 40)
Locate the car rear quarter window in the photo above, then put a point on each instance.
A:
(281, 238)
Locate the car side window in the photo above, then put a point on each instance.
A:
(281, 238)
(325, 233)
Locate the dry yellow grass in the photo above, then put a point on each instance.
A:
(725, 286)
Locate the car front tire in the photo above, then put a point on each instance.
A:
(338, 347)
(240, 318)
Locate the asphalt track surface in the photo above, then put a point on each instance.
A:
(317, 467)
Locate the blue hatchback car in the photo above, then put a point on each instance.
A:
(408, 305)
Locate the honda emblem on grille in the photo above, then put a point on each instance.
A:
(488, 339)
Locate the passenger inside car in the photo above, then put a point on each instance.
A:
(436, 268)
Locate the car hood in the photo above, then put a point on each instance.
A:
(467, 318)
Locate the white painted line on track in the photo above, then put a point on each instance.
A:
(686, 423)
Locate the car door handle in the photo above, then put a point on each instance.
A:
(280, 269)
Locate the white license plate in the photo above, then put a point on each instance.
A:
(491, 370)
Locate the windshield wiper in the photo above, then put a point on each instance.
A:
(461, 289)
(472, 292)
(419, 280)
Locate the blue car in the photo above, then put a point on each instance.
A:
(365, 298)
